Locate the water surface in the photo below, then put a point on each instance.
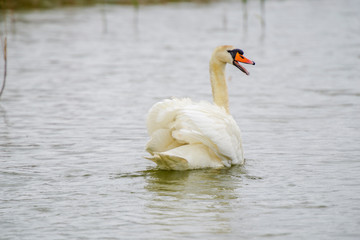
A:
(72, 122)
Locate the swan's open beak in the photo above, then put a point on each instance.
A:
(241, 58)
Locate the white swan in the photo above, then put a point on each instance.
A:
(187, 135)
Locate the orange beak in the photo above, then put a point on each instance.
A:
(241, 58)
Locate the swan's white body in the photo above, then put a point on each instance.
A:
(187, 135)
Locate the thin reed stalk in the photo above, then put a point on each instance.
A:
(103, 14)
(4, 46)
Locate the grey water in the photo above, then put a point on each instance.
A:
(80, 83)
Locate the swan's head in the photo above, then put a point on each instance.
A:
(237, 56)
(234, 56)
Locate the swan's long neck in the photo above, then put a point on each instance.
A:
(218, 83)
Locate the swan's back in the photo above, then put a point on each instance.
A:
(187, 135)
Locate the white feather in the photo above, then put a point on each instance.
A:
(187, 135)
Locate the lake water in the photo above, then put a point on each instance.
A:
(80, 83)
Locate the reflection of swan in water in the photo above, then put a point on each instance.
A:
(193, 201)
(188, 135)
(212, 182)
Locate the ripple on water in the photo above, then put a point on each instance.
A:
(72, 123)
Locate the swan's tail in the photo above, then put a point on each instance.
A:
(167, 162)
(190, 156)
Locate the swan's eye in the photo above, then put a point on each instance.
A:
(240, 51)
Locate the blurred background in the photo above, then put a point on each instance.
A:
(81, 76)
(28, 4)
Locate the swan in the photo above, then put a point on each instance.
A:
(188, 135)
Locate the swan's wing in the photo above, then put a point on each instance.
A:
(163, 113)
(213, 127)
(159, 121)
(211, 133)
